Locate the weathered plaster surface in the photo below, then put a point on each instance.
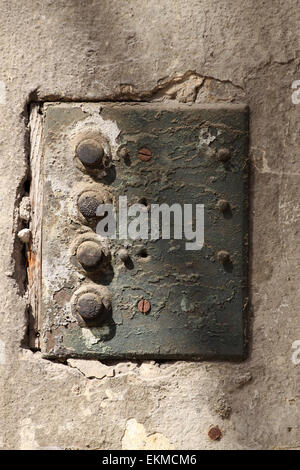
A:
(232, 50)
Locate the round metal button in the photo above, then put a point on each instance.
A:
(88, 204)
(90, 153)
(89, 255)
(89, 306)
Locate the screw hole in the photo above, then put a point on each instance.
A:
(143, 253)
(144, 201)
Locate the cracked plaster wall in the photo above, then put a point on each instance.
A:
(203, 51)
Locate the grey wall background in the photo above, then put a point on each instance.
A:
(197, 50)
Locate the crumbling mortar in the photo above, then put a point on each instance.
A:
(128, 92)
(19, 251)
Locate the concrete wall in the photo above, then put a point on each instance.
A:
(196, 50)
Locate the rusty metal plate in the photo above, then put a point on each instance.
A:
(125, 298)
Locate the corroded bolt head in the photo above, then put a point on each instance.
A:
(89, 254)
(89, 306)
(215, 433)
(223, 205)
(144, 306)
(88, 204)
(90, 153)
(123, 255)
(223, 155)
(144, 154)
(223, 257)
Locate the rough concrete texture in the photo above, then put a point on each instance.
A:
(232, 50)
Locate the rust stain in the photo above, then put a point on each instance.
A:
(33, 264)
(63, 296)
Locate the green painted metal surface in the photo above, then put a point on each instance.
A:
(198, 305)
